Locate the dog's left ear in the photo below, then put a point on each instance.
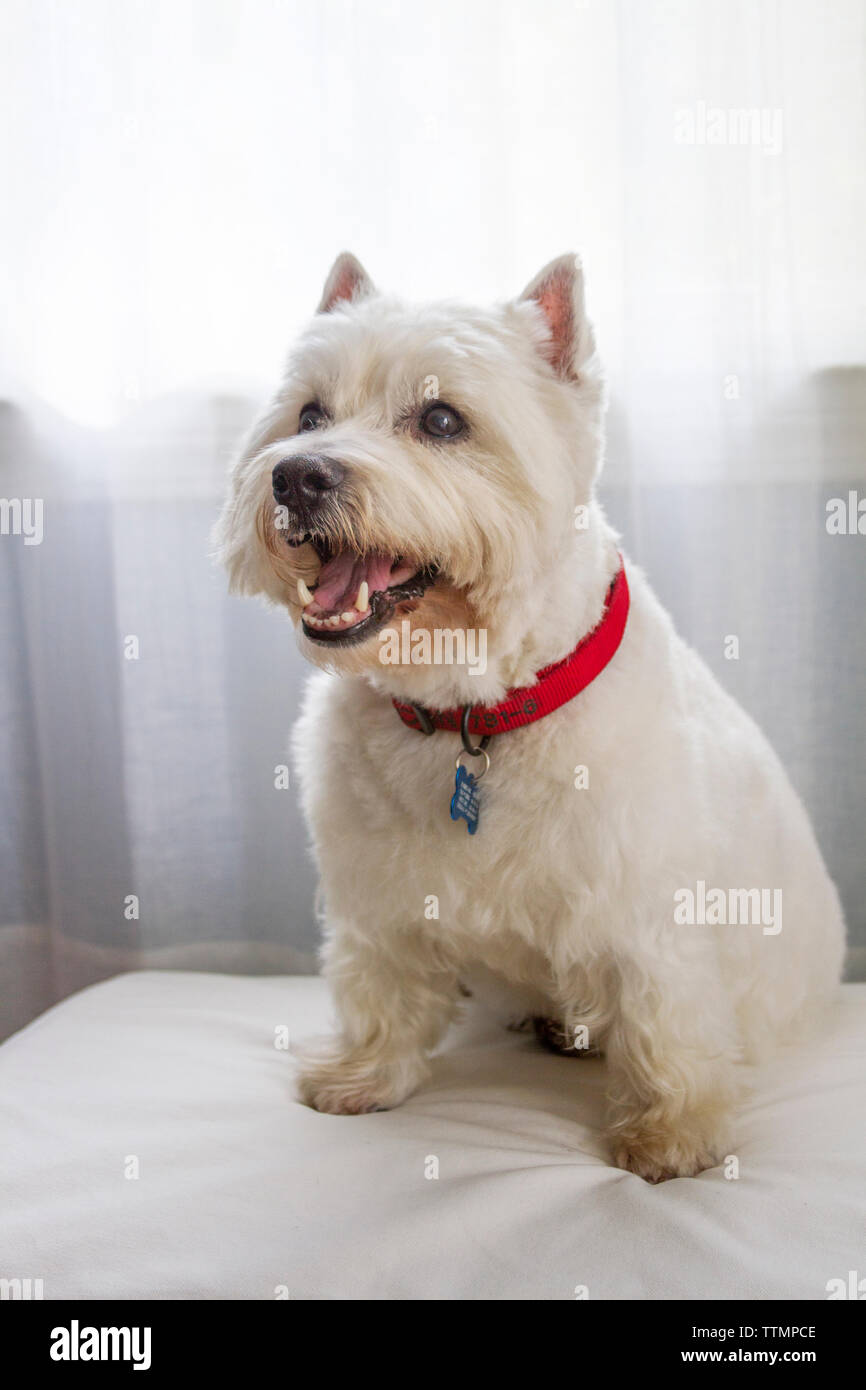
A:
(347, 280)
(558, 292)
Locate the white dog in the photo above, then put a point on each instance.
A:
(432, 471)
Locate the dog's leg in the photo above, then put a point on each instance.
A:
(392, 1010)
(674, 1080)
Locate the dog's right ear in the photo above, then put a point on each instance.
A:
(347, 281)
(558, 292)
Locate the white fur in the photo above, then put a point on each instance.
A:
(564, 895)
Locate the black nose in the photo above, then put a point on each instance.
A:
(301, 483)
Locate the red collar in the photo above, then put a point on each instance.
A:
(555, 685)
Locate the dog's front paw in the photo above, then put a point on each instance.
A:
(656, 1156)
(353, 1085)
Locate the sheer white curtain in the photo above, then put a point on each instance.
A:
(175, 179)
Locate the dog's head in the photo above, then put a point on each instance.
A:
(428, 466)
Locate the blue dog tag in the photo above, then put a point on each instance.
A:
(465, 801)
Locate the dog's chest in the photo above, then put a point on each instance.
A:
(525, 867)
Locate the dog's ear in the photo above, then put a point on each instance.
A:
(347, 280)
(558, 291)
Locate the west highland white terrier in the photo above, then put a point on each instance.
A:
(583, 816)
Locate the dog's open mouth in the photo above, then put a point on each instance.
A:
(356, 594)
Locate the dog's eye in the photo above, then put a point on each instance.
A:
(311, 417)
(442, 421)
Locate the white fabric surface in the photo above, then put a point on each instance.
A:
(242, 1190)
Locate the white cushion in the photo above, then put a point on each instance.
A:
(242, 1190)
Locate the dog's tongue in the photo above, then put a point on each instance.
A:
(341, 578)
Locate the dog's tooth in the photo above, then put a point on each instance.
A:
(348, 617)
(303, 593)
(333, 621)
(363, 597)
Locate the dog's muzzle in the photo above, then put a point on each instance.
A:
(302, 484)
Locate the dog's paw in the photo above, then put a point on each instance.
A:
(339, 1091)
(349, 1085)
(657, 1157)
